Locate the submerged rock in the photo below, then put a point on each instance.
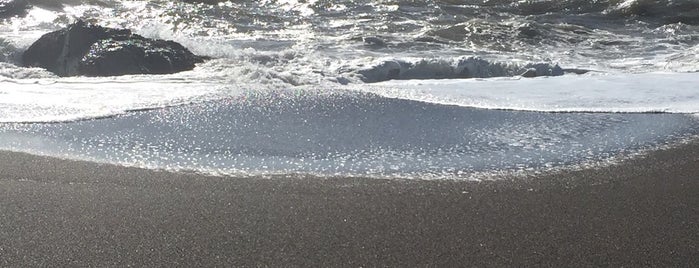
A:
(92, 50)
(542, 69)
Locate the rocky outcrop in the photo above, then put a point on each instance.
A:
(9, 8)
(92, 50)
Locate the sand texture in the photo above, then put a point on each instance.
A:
(644, 212)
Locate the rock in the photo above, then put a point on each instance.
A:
(342, 80)
(135, 56)
(529, 73)
(9, 8)
(576, 71)
(92, 50)
(541, 69)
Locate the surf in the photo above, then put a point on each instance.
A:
(394, 89)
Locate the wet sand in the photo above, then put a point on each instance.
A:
(644, 212)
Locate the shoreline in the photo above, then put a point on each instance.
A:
(643, 211)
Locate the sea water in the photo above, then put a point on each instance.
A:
(388, 89)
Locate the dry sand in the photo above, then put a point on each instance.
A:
(644, 212)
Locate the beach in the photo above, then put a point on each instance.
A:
(640, 212)
(357, 133)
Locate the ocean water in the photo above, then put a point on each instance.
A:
(378, 88)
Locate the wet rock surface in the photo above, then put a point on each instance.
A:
(92, 50)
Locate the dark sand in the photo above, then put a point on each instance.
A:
(644, 212)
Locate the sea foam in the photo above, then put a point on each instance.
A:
(60, 100)
(625, 93)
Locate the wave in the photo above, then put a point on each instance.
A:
(463, 67)
(668, 11)
(664, 11)
(569, 32)
(65, 100)
(364, 44)
(343, 133)
(618, 93)
(8, 52)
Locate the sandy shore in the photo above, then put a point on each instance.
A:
(644, 212)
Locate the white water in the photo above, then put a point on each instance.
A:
(60, 100)
(68, 99)
(626, 93)
(286, 92)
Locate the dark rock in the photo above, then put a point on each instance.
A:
(576, 71)
(91, 50)
(342, 80)
(9, 8)
(542, 69)
(135, 56)
(529, 73)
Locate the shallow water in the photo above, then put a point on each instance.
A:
(343, 135)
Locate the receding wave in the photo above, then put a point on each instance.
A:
(619, 93)
(63, 100)
(341, 134)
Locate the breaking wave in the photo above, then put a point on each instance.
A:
(465, 67)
